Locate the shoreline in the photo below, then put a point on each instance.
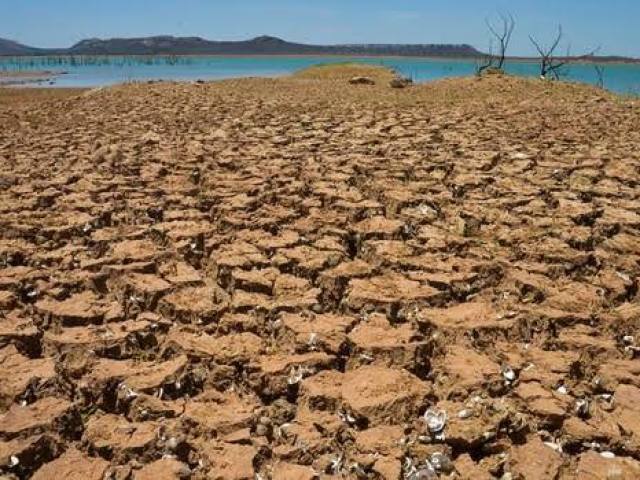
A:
(35, 79)
(618, 61)
(26, 77)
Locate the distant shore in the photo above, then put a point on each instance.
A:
(574, 60)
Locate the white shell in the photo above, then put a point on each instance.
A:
(465, 413)
(508, 374)
(435, 420)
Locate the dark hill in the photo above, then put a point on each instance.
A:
(9, 47)
(264, 45)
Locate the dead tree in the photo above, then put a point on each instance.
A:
(501, 33)
(600, 74)
(550, 64)
(485, 62)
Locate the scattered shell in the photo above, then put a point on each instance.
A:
(106, 334)
(508, 373)
(419, 472)
(624, 276)
(13, 461)
(441, 462)
(276, 324)
(465, 413)
(285, 426)
(609, 455)
(554, 446)
(581, 407)
(347, 418)
(628, 339)
(488, 436)
(295, 376)
(562, 390)
(358, 470)
(426, 210)
(426, 472)
(436, 420)
(128, 393)
(336, 464)
(172, 443)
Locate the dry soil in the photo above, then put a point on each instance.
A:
(301, 278)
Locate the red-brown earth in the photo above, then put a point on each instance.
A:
(301, 278)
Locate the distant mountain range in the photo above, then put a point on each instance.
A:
(8, 47)
(264, 45)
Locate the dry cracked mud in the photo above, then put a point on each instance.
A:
(300, 278)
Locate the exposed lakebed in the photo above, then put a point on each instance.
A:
(301, 278)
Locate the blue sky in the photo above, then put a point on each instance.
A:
(611, 24)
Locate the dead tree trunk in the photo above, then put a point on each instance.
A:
(502, 33)
(485, 62)
(600, 74)
(550, 64)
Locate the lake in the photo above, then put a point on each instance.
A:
(86, 71)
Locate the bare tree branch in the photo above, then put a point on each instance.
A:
(486, 61)
(502, 33)
(550, 64)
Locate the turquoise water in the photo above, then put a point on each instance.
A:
(98, 71)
